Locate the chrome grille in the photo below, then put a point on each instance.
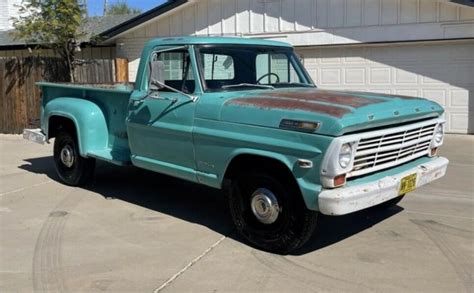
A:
(391, 149)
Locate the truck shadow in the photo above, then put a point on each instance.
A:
(199, 204)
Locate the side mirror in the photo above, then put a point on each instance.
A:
(157, 75)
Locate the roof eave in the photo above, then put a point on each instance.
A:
(463, 3)
(141, 19)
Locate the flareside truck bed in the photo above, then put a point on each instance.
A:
(109, 100)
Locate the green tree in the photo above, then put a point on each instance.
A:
(53, 24)
(121, 8)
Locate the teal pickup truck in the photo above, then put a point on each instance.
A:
(243, 115)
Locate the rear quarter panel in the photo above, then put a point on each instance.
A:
(91, 126)
(99, 114)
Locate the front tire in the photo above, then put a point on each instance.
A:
(73, 169)
(270, 213)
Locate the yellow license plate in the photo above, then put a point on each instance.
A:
(407, 184)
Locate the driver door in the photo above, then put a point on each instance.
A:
(160, 120)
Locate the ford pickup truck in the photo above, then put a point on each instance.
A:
(244, 116)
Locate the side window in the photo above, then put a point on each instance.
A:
(177, 70)
(269, 66)
(218, 67)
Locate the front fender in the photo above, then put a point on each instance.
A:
(308, 188)
(91, 125)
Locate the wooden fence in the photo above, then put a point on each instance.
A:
(20, 99)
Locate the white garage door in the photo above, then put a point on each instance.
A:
(443, 72)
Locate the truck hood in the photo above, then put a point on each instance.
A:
(337, 112)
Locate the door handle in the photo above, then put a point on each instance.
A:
(158, 97)
(137, 102)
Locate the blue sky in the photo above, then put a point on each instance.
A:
(96, 7)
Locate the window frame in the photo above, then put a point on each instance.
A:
(299, 68)
(198, 86)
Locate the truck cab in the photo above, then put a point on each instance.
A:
(243, 115)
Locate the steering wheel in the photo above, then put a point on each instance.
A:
(267, 75)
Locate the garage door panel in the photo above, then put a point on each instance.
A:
(380, 75)
(381, 91)
(437, 95)
(457, 121)
(331, 76)
(354, 76)
(405, 76)
(459, 98)
(408, 92)
(442, 72)
(355, 55)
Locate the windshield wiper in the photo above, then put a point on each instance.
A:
(262, 86)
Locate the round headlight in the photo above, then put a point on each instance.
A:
(438, 134)
(345, 155)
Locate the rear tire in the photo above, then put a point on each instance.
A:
(282, 227)
(73, 169)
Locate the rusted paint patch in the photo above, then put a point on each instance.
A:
(291, 104)
(327, 97)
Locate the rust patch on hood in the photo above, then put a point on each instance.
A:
(343, 99)
(291, 104)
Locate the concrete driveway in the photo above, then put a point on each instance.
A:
(134, 230)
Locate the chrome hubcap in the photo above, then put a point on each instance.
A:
(67, 156)
(265, 206)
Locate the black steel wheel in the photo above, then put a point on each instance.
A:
(269, 212)
(73, 169)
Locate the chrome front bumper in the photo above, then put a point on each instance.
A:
(345, 200)
(35, 135)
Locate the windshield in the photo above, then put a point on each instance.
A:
(234, 67)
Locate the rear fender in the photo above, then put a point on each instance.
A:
(88, 118)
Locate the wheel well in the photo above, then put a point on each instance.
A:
(58, 123)
(246, 163)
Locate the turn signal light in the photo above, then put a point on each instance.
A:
(339, 180)
(434, 151)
